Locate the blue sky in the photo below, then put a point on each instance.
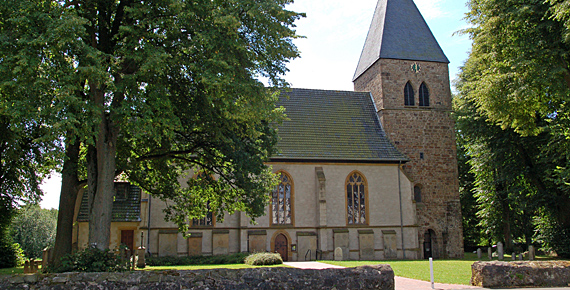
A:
(335, 32)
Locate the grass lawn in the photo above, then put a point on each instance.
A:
(445, 271)
(11, 271)
(200, 267)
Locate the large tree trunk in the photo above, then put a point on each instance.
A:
(101, 180)
(69, 188)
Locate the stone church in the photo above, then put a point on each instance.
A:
(373, 172)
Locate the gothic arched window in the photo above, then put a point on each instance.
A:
(209, 219)
(424, 95)
(282, 201)
(356, 199)
(409, 95)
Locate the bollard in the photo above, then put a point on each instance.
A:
(431, 272)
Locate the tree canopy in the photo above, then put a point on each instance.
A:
(152, 89)
(34, 229)
(513, 116)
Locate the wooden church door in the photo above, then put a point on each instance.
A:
(281, 246)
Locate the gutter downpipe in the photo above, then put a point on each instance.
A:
(148, 227)
(401, 213)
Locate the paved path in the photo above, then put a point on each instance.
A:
(406, 283)
(312, 265)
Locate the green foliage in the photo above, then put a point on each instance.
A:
(261, 259)
(34, 229)
(513, 119)
(554, 236)
(11, 255)
(171, 85)
(237, 258)
(90, 260)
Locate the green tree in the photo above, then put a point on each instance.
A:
(34, 229)
(515, 86)
(499, 162)
(153, 89)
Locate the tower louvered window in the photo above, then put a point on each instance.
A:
(424, 95)
(409, 95)
(356, 199)
(281, 201)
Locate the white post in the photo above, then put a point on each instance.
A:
(431, 272)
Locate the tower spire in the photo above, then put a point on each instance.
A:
(398, 31)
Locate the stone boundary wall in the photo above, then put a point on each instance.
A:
(498, 274)
(367, 277)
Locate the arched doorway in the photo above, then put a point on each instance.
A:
(281, 246)
(429, 244)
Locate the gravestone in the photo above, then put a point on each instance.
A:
(338, 254)
(500, 252)
(531, 253)
(479, 254)
(521, 257)
(141, 251)
(514, 256)
(490, 253)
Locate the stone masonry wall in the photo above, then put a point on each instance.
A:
(426, 135)
(372, 277)
(521, 274)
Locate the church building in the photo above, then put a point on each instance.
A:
(371, 171)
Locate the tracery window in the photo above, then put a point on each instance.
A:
(281, 201)
(424, 95)
(409, 95)
(356, 199)
(208, 220)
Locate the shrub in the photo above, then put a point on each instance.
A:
(91, 260)
(261, 259)
(237, 258)
(11, 255)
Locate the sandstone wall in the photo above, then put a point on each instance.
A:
(426, 135)
(374, 277)
(521, 274)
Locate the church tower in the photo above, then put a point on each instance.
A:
(406, 71)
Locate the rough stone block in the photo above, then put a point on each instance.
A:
(368, 277)
(517, 274)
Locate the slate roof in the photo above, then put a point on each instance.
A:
(126, 205)
(398, 31)
(332, 126)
